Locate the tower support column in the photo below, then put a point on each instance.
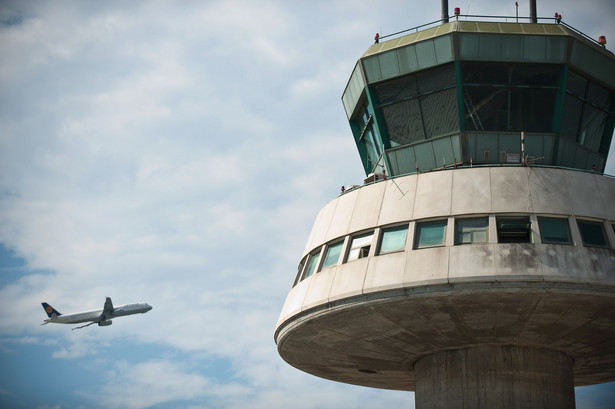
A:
(505, 377)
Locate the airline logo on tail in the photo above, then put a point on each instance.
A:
(50, 310)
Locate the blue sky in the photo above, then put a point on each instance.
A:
(177, 153)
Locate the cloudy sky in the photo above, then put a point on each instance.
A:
(177, 153)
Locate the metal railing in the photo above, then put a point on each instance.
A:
(505, 19)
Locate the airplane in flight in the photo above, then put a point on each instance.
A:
(101, 317)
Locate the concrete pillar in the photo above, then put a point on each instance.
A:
(504, 377)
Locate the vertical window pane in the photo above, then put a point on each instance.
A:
(311, 268)
(592, 233)
(333, 254)
(393, 239)
(430, 233)
(556, 231)
(299, 270)
(359, 247)
(472, 230)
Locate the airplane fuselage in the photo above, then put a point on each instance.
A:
(119, 311)
(101, 317)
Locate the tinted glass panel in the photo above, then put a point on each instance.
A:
(472, 230)
(555, 231)
(404, 122)
(393, 239)
(397, 90)
(311, 268)
(534, 75)
(592, 127)
(440, 113)
(599, 96)
(430, 233)
(576, 84)
(572, 117)
(592, 233)
(333, 255)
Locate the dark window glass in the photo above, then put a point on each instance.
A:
(397, 90)
(486, 108)
(573, 107)
(514, 229)
(592, 127)
(576, 84)
(534, 75)
(592, 233)
(440, 113)
(404, 122)
(599, 96)
(554, 230)
(475, 73)
(436, 79)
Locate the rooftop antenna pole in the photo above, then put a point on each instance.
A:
(444, 11)
(517, 10)
(533, 18)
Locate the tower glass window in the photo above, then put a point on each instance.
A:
(509, 97)
(312, 263)
(592, 233)
(429, 234)
(514, 229)
(472, 231)
(360, 246)
(393, 239)
(419, 106)
(332, 254)
(299, 271)
(554, 230)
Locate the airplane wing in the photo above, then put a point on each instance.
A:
(107, 309)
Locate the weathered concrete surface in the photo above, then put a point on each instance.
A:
(495, 377)
(375, 339)
(368, 321)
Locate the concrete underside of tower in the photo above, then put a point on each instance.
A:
(379, 340)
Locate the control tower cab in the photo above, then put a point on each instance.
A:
(476, 265)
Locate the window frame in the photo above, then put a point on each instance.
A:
(396, 228)
(328, 248)
(314, 256)
(417, 233)
(542, 233)
(466, 219)
(351, 248)
(513, 238)
(594, 223)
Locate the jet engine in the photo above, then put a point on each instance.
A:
(105, 323)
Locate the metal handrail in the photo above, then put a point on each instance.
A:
(505, 18)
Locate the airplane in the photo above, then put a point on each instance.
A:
(100, 317)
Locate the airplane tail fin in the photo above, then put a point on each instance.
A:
(50, 310)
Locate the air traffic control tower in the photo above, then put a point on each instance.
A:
(476, 264)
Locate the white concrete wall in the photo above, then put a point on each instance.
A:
(461, 192)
